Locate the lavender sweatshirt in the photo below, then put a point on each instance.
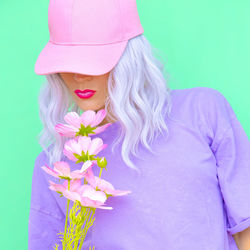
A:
(193, 196)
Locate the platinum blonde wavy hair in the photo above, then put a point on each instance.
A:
(137, 91)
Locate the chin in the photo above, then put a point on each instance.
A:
(90, 107)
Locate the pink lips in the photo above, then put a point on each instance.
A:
(87, 93)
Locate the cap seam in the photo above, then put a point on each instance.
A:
(91, 44)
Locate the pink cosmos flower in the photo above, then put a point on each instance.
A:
(85, 144)
(60, 188)
(103, 185)
(87, 196)
(62, 170)
(75, 123)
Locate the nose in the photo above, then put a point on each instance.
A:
(80, 77)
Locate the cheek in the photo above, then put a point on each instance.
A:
(104, 90)
(105, 85)
(70, 86)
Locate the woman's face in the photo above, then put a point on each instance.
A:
(99, 83)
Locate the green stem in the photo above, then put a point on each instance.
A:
(87, 220)
(76, 242)
(66, 220)
(100, 173)
(93, 212)
(78, 228)
(82, 240)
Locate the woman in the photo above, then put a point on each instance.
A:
(189, 170)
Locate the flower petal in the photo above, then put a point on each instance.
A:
(95, 146)
(75, 185)
(107, 187)
(63, 168)
(50, 171)
(90, 203)
(92, 194)
(103, 184)
(100, 115)
(75, 175)
(56, 187)
(104, 207)
(73, 119)
(71, 195)
(66, 130)
(76, 148)
(90, 178)
(100, 129)
(70, 147)
(87, 164)
(67, 152)
(87, 117)
(117, 192)
(84, 142)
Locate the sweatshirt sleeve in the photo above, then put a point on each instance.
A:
(231, 147)
(45, 217)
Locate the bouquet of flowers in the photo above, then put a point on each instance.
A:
(94, 191)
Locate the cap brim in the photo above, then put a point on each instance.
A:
(82, 59)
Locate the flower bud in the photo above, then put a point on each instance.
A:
(102, 162)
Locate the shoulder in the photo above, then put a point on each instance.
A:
(204, 109)
(43, 156)
(201, 94)
(196, 99)
(40, 160)
(204, 101)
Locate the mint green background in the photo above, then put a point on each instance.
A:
(205, 43)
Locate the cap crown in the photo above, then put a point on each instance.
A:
(93, 21)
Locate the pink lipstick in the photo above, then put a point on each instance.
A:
(86, 93)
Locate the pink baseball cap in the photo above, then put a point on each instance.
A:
(87, 36)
